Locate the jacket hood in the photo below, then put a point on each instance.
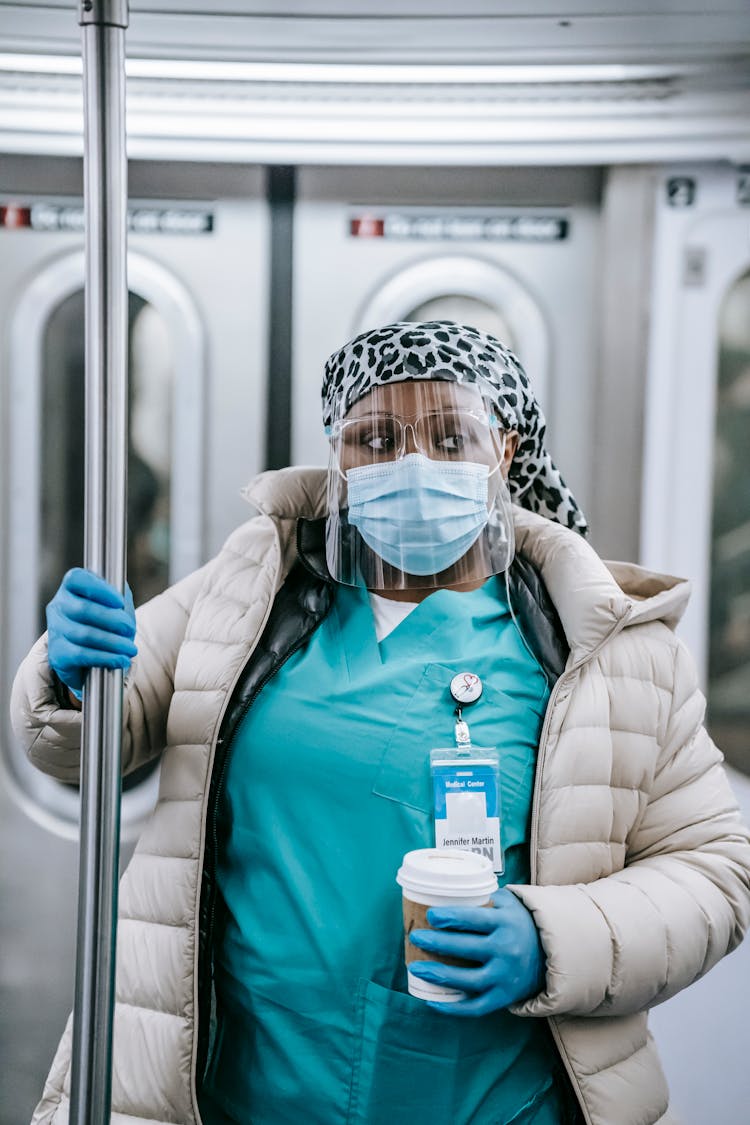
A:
(592, 597)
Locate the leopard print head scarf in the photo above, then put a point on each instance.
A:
(440, 349)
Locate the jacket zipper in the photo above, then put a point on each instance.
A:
(534, 836)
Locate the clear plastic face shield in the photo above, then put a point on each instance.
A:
(417, 497)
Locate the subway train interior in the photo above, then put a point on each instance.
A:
(571, 177)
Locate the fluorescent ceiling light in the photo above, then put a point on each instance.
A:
(357, 74)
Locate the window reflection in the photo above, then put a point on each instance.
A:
(150, 384)
(729, 644)
(149, 453)
(465, 310)
(150, 401)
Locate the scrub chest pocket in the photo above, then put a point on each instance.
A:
(497, 720)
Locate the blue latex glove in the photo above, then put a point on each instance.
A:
(89, 625)
(502, 937)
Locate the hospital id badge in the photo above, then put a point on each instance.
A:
(466, 798)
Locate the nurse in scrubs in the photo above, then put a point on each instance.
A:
(328, 783)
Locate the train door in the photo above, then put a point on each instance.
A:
(696, 522)
(512, 251)
(696, 501)
(197, 345)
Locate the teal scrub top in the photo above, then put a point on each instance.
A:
(327, 786)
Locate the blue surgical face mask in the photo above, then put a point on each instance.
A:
(420, 516)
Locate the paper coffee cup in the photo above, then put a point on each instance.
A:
(440, 877)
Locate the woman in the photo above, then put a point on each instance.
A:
(297, 685)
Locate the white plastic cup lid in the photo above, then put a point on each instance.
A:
(447, 871)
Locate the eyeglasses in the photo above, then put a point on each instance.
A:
(441, 436)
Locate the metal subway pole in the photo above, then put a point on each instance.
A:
(103, 25)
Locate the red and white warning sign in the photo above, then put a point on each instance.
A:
(12, 216)
(365, 226)
(461, 225)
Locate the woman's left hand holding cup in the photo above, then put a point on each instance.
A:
(502, 937)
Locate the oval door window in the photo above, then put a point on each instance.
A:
(729, 615)
(44, 490)
(150, 389)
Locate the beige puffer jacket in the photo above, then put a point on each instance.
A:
(639, 859)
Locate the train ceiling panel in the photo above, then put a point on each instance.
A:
(419, 32)
(396, 81)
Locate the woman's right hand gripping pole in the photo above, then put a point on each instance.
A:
(89, 625)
